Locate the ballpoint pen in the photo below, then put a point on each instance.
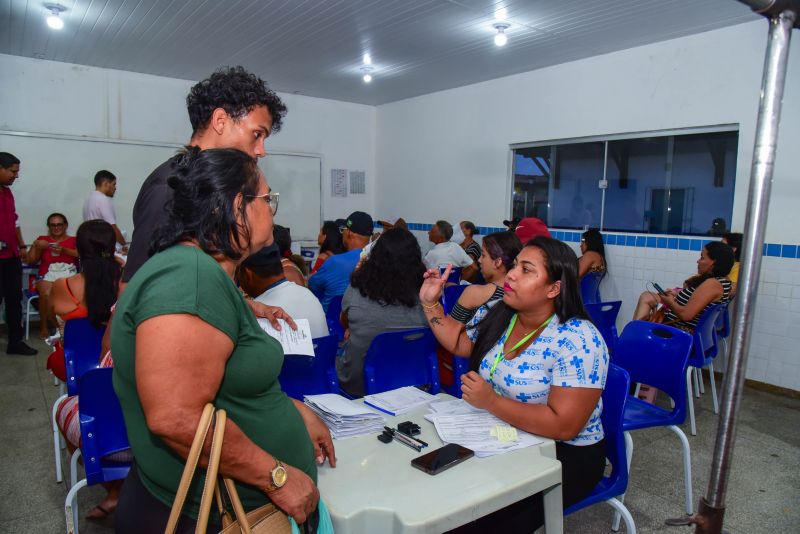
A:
(405, 439)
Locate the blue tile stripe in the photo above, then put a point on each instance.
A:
(776, 250)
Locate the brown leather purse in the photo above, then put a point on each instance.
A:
(266, 519)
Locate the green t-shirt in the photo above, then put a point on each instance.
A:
(183, 279)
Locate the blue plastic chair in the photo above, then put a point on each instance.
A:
(604, 317)
(455, 276)
(450, 296)
(332, 317)
(460, 367)
(615, 484)
(311, 375)
(82, 345)
(102, 434)
(404, 358)
(590, 287)
(704, 350)
(656, 355)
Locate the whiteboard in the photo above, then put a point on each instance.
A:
(298, 179)
(57, 175)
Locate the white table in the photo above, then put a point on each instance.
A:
(375, 489)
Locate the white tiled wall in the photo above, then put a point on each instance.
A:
(774, 355)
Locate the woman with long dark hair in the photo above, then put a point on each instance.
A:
(593, 253)
(382, 296)
(734, 240)
(498, 252)
(708, 287)
(90, 293)
(537, 363)
(330, 243)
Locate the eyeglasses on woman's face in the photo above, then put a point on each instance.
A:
(56, 225)
(271, 199)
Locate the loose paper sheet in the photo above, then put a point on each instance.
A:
(293, 341)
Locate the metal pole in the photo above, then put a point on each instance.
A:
(712, 506)
(605, 182)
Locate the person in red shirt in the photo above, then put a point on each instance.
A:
(55, 247)
(11, 247)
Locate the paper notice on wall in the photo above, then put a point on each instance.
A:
(338, 182)
(358, 182)
(293, 341)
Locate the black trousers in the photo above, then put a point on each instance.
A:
(11, 295)
(581, 470)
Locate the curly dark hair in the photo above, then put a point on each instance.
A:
(205, 185)
(237, 92)
(96, 243)
(722, 255)
(392, 274)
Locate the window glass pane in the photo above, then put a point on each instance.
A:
(575, 196)
(636, 195)
(701, 185)
(531, 179)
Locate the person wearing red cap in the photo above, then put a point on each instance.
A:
(531, 227)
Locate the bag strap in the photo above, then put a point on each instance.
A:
(211, 472)
(191, 465)
(236, 503)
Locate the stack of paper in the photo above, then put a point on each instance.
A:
(344, 417)
(399, 401)
(458, 422)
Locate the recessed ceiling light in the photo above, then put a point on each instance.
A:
(367, 74)
(500, 38)
(54, 18)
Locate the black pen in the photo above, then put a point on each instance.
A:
(414, 438)
(405, 439)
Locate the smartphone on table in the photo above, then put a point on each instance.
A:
(442, 459)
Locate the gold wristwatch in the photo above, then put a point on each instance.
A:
(278, 477)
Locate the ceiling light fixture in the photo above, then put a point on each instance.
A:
(500, 39)
(54, 18)
(367, 76)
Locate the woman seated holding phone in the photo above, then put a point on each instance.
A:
(537, 363)
(685, 306)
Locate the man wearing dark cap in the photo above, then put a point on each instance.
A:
(334, 276)
(261, 276)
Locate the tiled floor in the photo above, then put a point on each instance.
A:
(763, 493)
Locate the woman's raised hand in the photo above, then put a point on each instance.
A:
(433, 285)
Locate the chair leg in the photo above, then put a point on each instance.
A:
(71, 507)
(621, 509)
(696, 382)
(628, 456)
(73, 467)
(713, 386)
(636, 391)
(690, 400)
(687, 467)
(699, 371)
(57, 438)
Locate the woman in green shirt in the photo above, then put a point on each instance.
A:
(184, 336)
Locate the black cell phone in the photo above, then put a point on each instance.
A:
(441, 459)
(659, 289)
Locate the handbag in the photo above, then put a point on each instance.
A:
(266, 519)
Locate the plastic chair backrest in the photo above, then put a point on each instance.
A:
(450, 297)
(724, 321)
(590, 287)
(311, 375)
(657, 355)
(404, 358)
(604, 317)
(332, 317)
(455, 276)
(618, 384)
(704, 342)
(82, 345)
(102, 427)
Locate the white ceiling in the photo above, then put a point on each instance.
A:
(314, 47)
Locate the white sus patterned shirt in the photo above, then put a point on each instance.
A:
(572, 354)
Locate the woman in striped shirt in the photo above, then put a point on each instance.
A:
(709, 286)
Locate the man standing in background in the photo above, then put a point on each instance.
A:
(99, 205)
(11, 246)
